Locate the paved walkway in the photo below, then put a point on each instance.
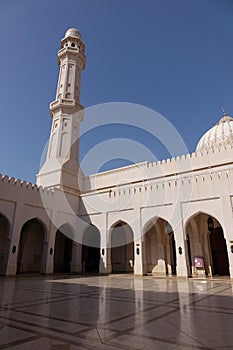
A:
(115, 312)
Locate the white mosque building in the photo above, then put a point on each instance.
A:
(165, 218)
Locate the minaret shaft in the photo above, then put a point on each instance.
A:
(69, 81)
(61, 167)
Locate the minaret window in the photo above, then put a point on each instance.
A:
(73, 44)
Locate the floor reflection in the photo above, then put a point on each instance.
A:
(115, 312)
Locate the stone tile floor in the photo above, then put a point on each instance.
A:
(70, 312)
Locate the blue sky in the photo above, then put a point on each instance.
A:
(175, 57)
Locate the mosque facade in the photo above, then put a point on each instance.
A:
(168, 218)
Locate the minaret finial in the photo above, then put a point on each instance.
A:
(224, 111)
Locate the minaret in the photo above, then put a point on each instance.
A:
(61, 167)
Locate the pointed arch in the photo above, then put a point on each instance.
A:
(153, 220)
(31, 245)
(207, 243)
(41, 222)
(63, 248)
(159, 247)
(202, 212)
(91, 249)
(122, 247)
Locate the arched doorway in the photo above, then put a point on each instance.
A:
(4, 243)
(205, 239)
(160, 248)
(219, 252)
(122, 248)
(30, 247)
(91, 250)
(63, 249)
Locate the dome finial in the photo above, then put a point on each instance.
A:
(74, 33)
(219, 136)
(224, 111)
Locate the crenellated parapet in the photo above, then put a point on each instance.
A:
(187, 166)
(5, 179)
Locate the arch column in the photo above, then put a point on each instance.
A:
(227, 204)
(76, 262)
(3, 270)
(4, 243)
(50, 248)
(168, 250)
(44, 257)
(182, 270)
(105, 266)
(139, 256)
(143, 253)
(11, 266)
(139, 248)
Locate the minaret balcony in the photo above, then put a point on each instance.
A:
(59, 102)
(72, 50)
(64, 106)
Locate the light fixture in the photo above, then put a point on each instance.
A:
(210, 223)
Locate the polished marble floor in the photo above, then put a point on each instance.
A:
(72, 312)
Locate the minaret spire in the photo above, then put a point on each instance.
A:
(72, 60)
(224, 111)
(61, 167)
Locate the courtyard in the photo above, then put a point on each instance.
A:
(122, 311)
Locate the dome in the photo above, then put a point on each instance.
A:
(219, 135)
(74, 33)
